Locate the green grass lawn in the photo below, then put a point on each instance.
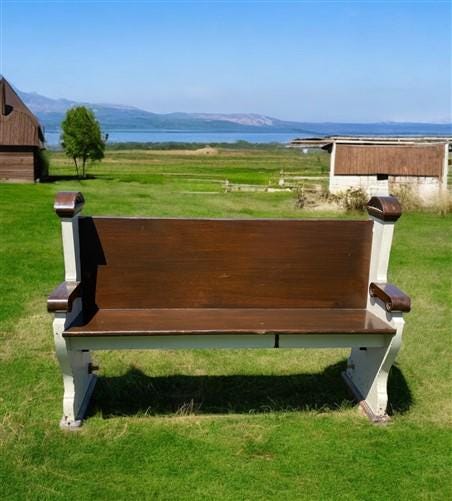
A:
(258, 424)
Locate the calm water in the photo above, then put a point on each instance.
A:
(144, 136)
(158, 136)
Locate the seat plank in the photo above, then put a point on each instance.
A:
(186, 321)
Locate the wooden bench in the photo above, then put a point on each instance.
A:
(166, 283)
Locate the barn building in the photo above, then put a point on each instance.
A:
(380, 165)
(21, 138)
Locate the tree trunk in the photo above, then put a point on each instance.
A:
(76, 167)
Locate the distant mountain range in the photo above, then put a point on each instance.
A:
(116, 117)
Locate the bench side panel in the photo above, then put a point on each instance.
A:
(186, 263)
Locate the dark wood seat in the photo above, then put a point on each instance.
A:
(178, 321)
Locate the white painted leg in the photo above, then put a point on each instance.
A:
(368, 370)
(77, 379)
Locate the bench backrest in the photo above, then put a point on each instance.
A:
(204, 263)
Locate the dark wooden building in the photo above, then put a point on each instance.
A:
(21, 138)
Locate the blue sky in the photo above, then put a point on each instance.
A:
(307, 61)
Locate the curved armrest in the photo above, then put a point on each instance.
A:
(63, 296)
(394, 298)
(68, 203)
(384, 208)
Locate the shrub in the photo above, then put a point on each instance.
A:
(445, 204)
(354, 199)
(44, 163)
(411, 201)
(300, 197)
(407, 197)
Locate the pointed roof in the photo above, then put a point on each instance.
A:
(18, 125)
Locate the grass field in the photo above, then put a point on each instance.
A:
(240, 425)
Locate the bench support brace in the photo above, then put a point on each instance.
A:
(367, 370)
(78, 380)
(367, 374)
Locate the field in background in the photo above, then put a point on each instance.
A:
(208, 170)
(263, 424)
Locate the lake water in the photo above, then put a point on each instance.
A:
(162, 136)
(152, 136)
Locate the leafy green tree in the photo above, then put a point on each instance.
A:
(81, 138)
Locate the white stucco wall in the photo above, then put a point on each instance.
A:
(428, 189)
(369, 184)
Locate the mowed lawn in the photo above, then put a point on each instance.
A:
(241, 425)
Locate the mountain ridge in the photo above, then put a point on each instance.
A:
(113, 117)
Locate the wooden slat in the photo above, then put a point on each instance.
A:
(17, 165)
(412, 160)
(18, 125)
(18, 128)
(230, 321)
(182, 263)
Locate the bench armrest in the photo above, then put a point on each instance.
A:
(393, 298)
(63, 296)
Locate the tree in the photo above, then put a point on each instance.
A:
(81, 137)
